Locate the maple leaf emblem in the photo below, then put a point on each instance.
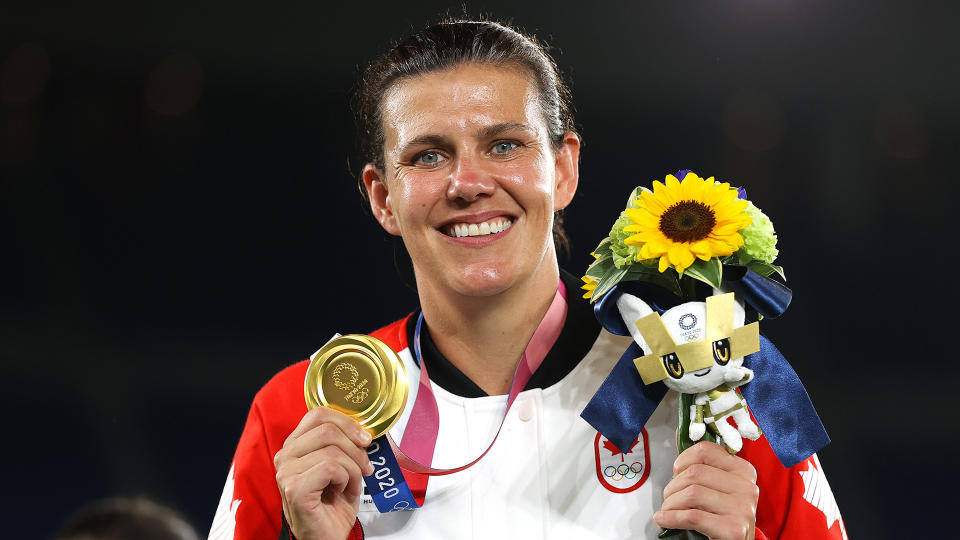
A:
(614, 450)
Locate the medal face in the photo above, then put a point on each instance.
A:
(361, 377)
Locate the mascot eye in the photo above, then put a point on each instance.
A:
(673, 365)
(721, 351)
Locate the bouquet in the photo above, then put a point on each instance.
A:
(683, 230)
(680, 268)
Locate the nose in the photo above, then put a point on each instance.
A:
(468, 180)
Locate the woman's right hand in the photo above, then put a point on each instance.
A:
(319, 473)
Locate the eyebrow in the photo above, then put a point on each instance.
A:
(496, 130)
(488, 132)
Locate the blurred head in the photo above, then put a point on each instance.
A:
(122, 518)
(456, 42)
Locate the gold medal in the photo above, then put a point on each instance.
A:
(361, 377)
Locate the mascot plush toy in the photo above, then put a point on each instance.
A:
(698, 348)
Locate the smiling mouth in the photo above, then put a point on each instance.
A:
(494, 226)
(702, 374)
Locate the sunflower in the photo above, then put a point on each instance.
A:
(589, 284)
(679, 221)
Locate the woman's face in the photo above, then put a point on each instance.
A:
(471, 178)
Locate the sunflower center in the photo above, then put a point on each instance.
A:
(687, 221)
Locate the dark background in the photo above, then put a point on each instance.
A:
(179, 221)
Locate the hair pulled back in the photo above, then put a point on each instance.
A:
(454, 42)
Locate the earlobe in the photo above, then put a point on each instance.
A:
(567, 170)
(379, 197)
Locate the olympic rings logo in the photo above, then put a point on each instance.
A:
(358, 395)
(401, 505)
(354, 375)
(623, 471)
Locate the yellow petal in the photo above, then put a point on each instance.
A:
(651, 250)
(692, 176)
(701, 249)
(733, 206)
(664, 264)
(726, 229)
(641, 216)
(695, 187)
(653, 204)
(680, 257)
(711, 197)
(658, 188)
(649, 222)
(673, 189)
(717, 246)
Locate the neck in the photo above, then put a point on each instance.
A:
(485, 336)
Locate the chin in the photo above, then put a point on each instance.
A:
(483, 280)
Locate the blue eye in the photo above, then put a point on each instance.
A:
(429, 158)
(504, 147)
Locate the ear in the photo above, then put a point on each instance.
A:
(632, 309)
(567, 170)
(379, 196)
(739, 312)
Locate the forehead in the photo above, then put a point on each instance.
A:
(462, 98)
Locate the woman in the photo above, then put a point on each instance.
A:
(472, 153)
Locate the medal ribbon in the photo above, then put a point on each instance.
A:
(391, 490)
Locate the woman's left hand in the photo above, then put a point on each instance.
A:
(712, 492)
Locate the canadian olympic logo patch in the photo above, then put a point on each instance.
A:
(622, 471)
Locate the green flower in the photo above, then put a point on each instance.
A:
(759, 238)
(623, 255)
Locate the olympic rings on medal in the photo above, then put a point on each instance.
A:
(623, 471)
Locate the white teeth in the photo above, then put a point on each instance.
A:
(460, 230)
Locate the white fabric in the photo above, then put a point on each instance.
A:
(540, 479)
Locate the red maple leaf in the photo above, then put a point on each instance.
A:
(614, 450)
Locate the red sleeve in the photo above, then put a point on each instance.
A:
(250, 507)
(795, 503)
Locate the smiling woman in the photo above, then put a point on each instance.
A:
(472, 153)
(468, 148)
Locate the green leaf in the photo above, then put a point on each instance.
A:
(667, 280)
(766, 269)
(632, 201)
(609, 279)
(605, 248)
(709, 272)
(743, 258)
(600, 267)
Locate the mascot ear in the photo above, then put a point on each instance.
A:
(632, 309)
(739, 314)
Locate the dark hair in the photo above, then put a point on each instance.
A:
(123, 518)
(451, 43)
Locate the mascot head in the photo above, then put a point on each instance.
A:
(691, 346)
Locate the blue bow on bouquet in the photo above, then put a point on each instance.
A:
(623, 404)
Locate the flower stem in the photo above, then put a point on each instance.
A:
(688, 287)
